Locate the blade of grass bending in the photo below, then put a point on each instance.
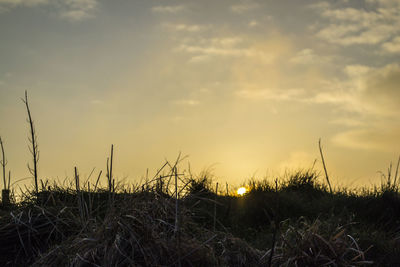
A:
(9, 180)
(176, 201)
(323, 163)
(97, 181)
(111, 166)
(397, 172)
(3, 164)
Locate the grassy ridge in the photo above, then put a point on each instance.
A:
(292, 221)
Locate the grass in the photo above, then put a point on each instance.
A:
(293, 221)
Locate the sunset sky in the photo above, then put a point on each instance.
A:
(245, 87)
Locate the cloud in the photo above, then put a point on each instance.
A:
(367, 91)
(28, 3)
(378, 138)
(385, 3)
(75, 15)
(182, 27)
(203, 49)
(369, 102)
(307, 57)
(381, 87)
(351, 26)
(349, 122)
(243, 7)
(271, 94)
(320, 6)
(77, 10)
(357, 71)
(199, 59)
(216, 50)
(187, 102)
(392, 46)
(7, 5)
(253, 23)
(72, 10)
(168, 9)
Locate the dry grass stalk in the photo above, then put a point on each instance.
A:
(3, 164)
(34, 146)
(5, 193)
(323, 163)
(110, 179)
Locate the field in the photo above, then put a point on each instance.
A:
(179, 219)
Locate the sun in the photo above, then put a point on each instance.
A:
(241, 191)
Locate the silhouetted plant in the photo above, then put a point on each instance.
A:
(33, 142)
(5, 193)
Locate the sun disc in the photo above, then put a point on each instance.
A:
(241, 191)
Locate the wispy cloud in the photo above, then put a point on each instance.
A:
(203, 49)
(182, 27)
(378, 138)
(370, 90)
(271, 94)
(392, 46)
(7, 5)
(243, 7)
(186, 102)
(349, 122)
(199, 59)
(77, 10)
(23, 2)
(72, 10)
(308, 57)
(253, 23)
(168, 9)
(350, 26)
(216, 50)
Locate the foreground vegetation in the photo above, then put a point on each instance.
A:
(178, 219)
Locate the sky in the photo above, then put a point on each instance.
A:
(243, 88)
